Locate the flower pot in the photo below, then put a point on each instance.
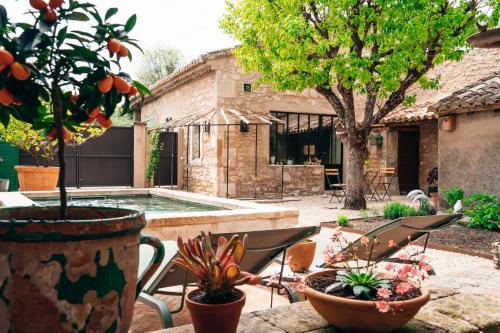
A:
(435, 199)
(301, 255)
(215, 318)
(32, 178)
(352, 315)
(74, 275)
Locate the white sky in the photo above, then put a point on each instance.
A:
(189, 25)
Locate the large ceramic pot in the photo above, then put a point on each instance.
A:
(353, 315)
(32, 178)
(77, 275)
(301, 255)
(220, 318)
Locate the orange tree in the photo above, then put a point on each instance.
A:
(63, 69)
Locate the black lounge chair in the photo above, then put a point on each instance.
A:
(264, 247)
(401, 231)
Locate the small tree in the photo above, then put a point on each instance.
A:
(55, 74)
(361, 55)
(157, 63)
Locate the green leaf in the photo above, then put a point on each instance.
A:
(3, 17)
(61, 35)
(110, 12)
(142, 88)
(333, 287)
(29, 39)
(131, 23)
(361, 291)
(78, 16)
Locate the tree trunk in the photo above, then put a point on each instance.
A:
(57, 104)
(355, 196)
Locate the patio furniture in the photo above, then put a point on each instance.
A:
(386, 176)
(334, 183)
(369, 178)
(401, 231)
(264, 247)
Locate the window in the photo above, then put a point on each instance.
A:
(195, 142)
(304, 137)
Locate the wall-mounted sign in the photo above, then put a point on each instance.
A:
(247, 87)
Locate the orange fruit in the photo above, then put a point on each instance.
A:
(105, 84)
(113, 45)
(50, 16)
(20, 71)
(6, 58)
(133, 91)
(95, 112)
(38, 4)
(123, 52)
(67, 135)
(17, 101)
(90, 120)
(121, 85)
(2, 67)
(6, 97)
(55, 3)
(74, 98)
(103, 121)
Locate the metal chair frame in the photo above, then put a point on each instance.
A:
(335, 187)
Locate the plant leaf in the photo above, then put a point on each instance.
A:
(110, 12)
(78, 16)
(131, 23)
(333, 287)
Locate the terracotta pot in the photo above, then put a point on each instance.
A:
(32, 178)
(74, 275)
(219, 318)
(435, 200)
(353, 315)
(301, 255)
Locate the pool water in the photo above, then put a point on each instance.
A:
(151, 204)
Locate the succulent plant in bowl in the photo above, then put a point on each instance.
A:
(215, 306)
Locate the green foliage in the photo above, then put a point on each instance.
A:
(158, 63)
(363, 213)
(484, 211)
(453, 194)
(394, 210)
(34, 142)
(363, 285)
(154, 155)
(342, 221)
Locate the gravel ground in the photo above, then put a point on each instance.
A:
(454, 235)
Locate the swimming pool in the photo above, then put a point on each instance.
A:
(151, 204)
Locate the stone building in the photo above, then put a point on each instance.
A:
(304, 133)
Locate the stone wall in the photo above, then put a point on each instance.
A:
(469, 156)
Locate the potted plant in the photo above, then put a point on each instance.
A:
(215, 306)
(67, 268)
(377, 139)
(356, 297)
(432, 189)
(301, 255)
(41, 176)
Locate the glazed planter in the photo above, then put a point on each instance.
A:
(215, 318)
(33, 178)
(77, 275)
(352, 315)
(301, 256)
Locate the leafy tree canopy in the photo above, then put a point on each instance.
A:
(157, 63)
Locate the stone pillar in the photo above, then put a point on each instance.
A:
(181, 156)
(140, 142)
(391, 146)
(496, 254)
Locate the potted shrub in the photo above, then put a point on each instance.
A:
(215, 306)
(358, 298)
(301, 255)
(377, 139)
(40, 176)
(67, 269)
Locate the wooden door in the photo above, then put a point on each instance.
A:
(408, 159)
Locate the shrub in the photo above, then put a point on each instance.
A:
(453, 194)
(342, 221)
(394, 210)
(484, 211)
(364, 214)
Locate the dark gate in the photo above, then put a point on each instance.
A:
(408, 159)
(166, 173)
(103, 161)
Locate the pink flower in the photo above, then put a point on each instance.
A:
(389, 267)
(382, 306)
(364, 241)
(392, 243)
(403, 288)
(339, 257)
(404, 256)
(384, 293)
(425, 267)
(328, 255)
(301, 288)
